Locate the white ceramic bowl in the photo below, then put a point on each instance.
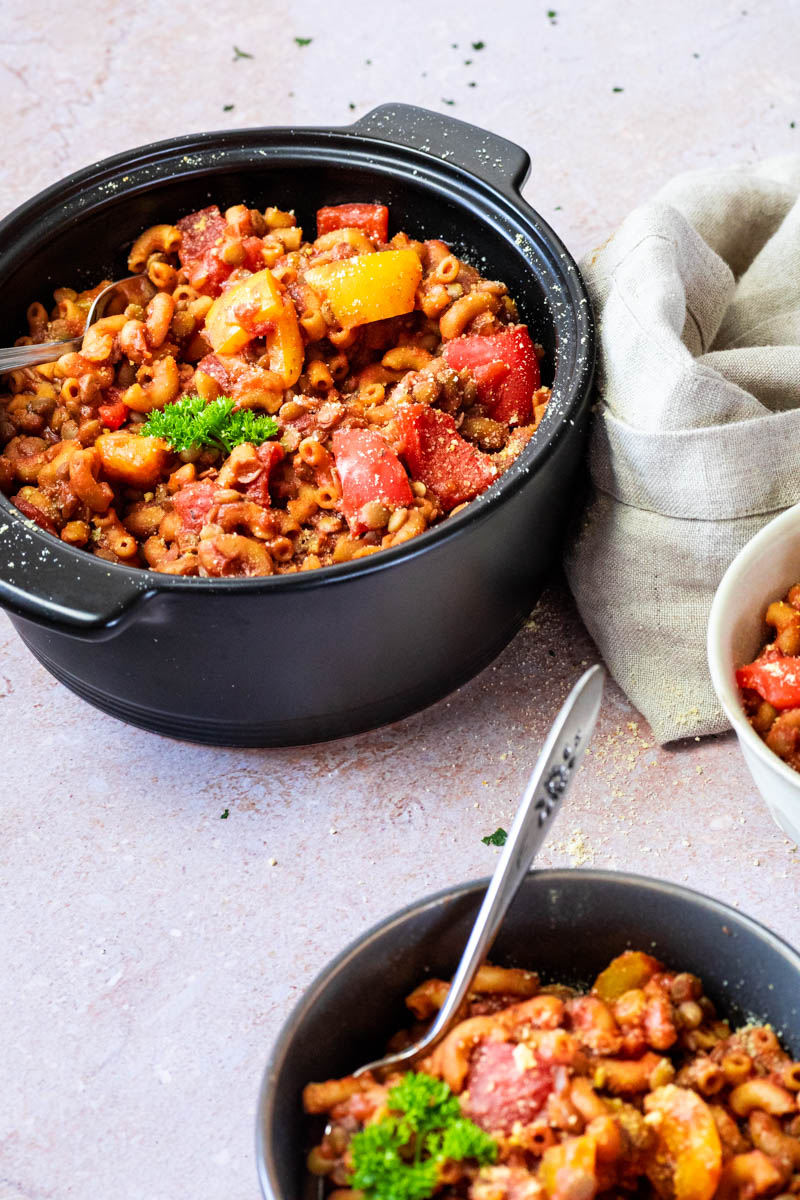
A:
(762, 571)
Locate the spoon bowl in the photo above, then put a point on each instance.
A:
(133, 289)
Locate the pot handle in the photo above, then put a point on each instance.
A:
(41, 580)
(500, 163)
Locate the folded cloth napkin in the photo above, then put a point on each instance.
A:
(696, 438)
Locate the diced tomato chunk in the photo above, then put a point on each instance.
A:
(505, 368)
(776, 679)
(113, 415)
(372, 218)
(270, 454)
(202, 236)
(193, 503)
(370, 472)
(435, 453)
(503, 1093)
(212, 365)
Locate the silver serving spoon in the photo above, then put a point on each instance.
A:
(137, 289)
(547, 786)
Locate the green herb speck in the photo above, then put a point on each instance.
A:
(478, 45)
(223, 816)
(618, 89)
(227, 107)
(468, 62)
(447, 101)
(498, 838)
(351, 106)
(792, 124)
(304, 41)
(551, 14)
(237, 53)
(557, 208)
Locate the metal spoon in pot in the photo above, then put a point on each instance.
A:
(547, 786)
(135, 289)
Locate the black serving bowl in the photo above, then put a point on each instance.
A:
(300, 658)
(566, 925)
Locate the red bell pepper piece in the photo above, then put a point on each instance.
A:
(372, 218)
(505, 368)
(777, 679)
(113, 415)
(436, 454)
(370, 472)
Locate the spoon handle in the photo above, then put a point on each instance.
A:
(547, 786)
(16, 357)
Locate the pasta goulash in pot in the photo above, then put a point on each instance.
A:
(635, 1088)
(278, 404)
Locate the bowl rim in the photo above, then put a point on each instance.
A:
(720, 669)
(267, 1098)
(314, 141)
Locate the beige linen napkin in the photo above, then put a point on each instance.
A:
(696, 439)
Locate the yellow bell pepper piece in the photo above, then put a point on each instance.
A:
(628, 970)
(285, 346)
(368, 287)
(687, 1159)
(253, 301)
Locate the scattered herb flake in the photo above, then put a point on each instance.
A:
(447, 101)
(351, 106)
(227, 107)
(792, 124)
(468, 62)
(190, 423)
(498, 838)
(454, 45)
(557, 208)
(618, 89)
(237, 53)
(478, 45)
(551, 14)
(368, 62)
(473, 84)
(223, 816)
(304, 41)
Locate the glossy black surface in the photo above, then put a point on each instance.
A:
(566, 925)
(293, 659)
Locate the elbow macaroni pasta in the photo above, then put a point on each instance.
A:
(607, 1093)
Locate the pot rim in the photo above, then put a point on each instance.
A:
(559, 877)
(349, 143)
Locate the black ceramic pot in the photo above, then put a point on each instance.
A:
(300, 658)
(566, 925)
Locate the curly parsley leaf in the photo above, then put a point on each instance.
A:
(192, 424)
(498, 838)
(400, 1156)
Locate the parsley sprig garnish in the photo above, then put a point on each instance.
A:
(399, 1157)
(191, 424)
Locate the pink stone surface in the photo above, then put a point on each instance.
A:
(151, 949)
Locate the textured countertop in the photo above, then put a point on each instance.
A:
(151, 944)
